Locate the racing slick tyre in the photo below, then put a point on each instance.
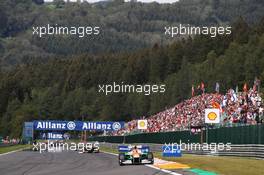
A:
(121, 158)
(96, 151)
(90, 151)
(150, 157)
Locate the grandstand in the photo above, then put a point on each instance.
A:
(237, 108)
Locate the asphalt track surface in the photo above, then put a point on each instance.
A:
(69, 163)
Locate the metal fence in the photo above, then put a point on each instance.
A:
(246, 150)
(245, 141)
(253, 134)
(5, 144)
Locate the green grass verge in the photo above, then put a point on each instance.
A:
(217, 164)
(106, 149)
(221, 164)
(13, 148)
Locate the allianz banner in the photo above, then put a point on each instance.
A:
(52, 135)
(77, 125)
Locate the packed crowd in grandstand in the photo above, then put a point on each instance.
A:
(235, 107)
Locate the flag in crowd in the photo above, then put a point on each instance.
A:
(245, 87)
(193, 91)
(256, 84)
(217, 87)
(199, 90)
(202, 87)
(236, 89)
(215, 105)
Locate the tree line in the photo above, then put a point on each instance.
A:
(126, 27)
(67, 89)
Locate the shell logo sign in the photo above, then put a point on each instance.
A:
(142, 124)
(212, 116)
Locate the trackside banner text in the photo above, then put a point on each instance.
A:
(77, 125)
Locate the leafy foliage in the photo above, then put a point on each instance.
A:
(125, 27)
(68, 89)
(58, 77)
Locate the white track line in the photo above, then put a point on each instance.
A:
(150, 166)
(11, 152)
(165, 171)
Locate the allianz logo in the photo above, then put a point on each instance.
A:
(52, 125)
(101, 126)
(96, 126)
(54, 136)
(81, 125)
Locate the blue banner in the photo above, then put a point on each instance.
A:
(171, 150)
(28, 130)
(77, 125)
(52, 136)
(124, 148)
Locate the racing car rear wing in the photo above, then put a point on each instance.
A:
(128, 148)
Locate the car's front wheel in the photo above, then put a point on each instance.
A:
(121, 158)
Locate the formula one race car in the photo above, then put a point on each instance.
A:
(86, 147)
(135, 155)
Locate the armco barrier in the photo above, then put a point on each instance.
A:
(253, 134)
(6, 144)
(246, 150)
